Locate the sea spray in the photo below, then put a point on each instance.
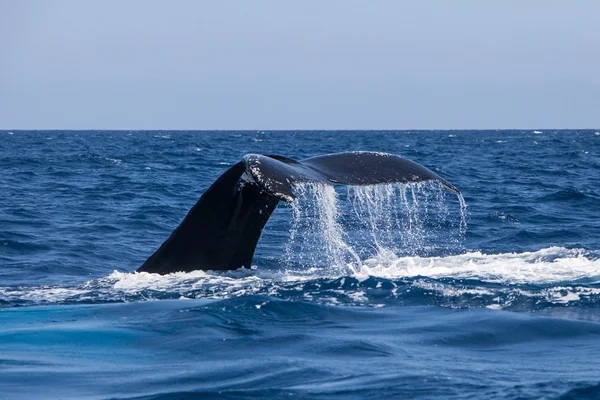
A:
(376, 206)
(317, 238)
(402, 220)
(331, 233)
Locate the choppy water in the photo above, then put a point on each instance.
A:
(375, 292)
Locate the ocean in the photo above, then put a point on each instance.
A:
(380, 292)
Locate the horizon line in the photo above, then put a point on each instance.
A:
(294, 130)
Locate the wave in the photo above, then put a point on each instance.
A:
(551, 277)
(571, 195)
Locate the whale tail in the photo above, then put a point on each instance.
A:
(222, 229)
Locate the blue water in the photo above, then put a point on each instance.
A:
(498, 301)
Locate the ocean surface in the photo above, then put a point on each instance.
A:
(381, 292)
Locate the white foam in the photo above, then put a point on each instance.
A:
(450, 291)
(114, 161)
(358, 296)
(556, 273)
(553, 264)
(566, 294)
(48, 294)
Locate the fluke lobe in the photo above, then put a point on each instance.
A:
(221, 231)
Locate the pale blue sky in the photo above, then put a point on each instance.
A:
(299, 65)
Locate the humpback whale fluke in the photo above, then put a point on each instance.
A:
(221, 231)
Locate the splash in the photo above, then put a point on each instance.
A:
(333, 233)
(317, 239)
(551, 277)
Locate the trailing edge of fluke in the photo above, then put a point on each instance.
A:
(221, 231)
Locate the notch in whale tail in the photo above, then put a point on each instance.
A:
(221, 231)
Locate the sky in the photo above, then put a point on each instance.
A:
(208, 65)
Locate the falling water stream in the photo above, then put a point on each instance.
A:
(338, 232)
